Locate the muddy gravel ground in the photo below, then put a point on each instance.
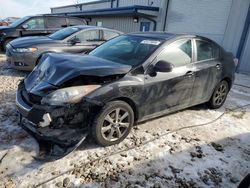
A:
(197, 147)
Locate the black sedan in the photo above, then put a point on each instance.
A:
(129, 79)
(24, 53)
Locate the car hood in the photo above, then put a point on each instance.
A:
(56, 69)
(31, 41)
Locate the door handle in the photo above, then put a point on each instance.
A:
(190, 73)
(218, 66)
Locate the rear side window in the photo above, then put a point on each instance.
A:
(35, 23)
(206, 50)
(73, 22)
(91, 35)
(55, 22)
(107, 35)
(178, 53)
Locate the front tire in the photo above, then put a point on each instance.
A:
(219, 96)
(113, 124)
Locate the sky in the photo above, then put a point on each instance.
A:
(21, 8)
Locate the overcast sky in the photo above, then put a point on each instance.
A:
(20, 8)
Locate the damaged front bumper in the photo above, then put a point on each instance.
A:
(58, 130)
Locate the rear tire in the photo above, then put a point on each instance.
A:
(113, 124)
(219, 95)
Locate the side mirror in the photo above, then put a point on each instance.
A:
(74, 41)
(25, 26)
(163, 66)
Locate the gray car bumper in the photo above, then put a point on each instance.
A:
(21, 61)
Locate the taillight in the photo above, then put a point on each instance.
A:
(236, 61)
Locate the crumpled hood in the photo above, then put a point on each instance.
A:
(31, 41)
(55, 69)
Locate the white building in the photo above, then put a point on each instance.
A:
(225, 21)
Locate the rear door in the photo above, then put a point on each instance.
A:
(166, 92)
(207, 69)
(33, 27)
(54, 23)
(88, 40)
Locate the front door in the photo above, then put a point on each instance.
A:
(33, 27)
(145, 26)
(170, 91)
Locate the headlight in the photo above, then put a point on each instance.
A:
(22, 50)
(70, 95)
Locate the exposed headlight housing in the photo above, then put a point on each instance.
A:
(23, 50)
(70, 95)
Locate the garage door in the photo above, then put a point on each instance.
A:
(203, 17)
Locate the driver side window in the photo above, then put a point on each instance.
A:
(178, 53)
(35, 23)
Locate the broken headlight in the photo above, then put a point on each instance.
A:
(70, 95)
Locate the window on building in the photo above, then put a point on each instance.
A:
(99, 23)
(107, 35)
(91, 35)
(178, 53)
(35, 23)
(206, 50)
(55, 22)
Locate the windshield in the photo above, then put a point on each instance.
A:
(128, 50)
(19, 21)
(64, 33)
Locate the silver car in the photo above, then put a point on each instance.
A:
(25, 53)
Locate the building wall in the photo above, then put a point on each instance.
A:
(106, 4)
(123, 3)
(124, 24)
(235, 25)
(245, 57)
(203, 17)
(83, 7)
(65, 9)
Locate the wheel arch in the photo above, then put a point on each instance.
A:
(6, 39)
(131, 103)
(229, 81)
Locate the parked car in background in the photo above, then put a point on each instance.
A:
(36, 25)
(3, 23)
(8, 21)
(24, 53)
(128, 79)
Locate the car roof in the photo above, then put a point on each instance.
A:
(163, 35)
(82, 27)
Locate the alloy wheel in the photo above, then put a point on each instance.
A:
(220, 94)
(115, 124)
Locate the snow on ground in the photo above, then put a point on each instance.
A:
(164, 152)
